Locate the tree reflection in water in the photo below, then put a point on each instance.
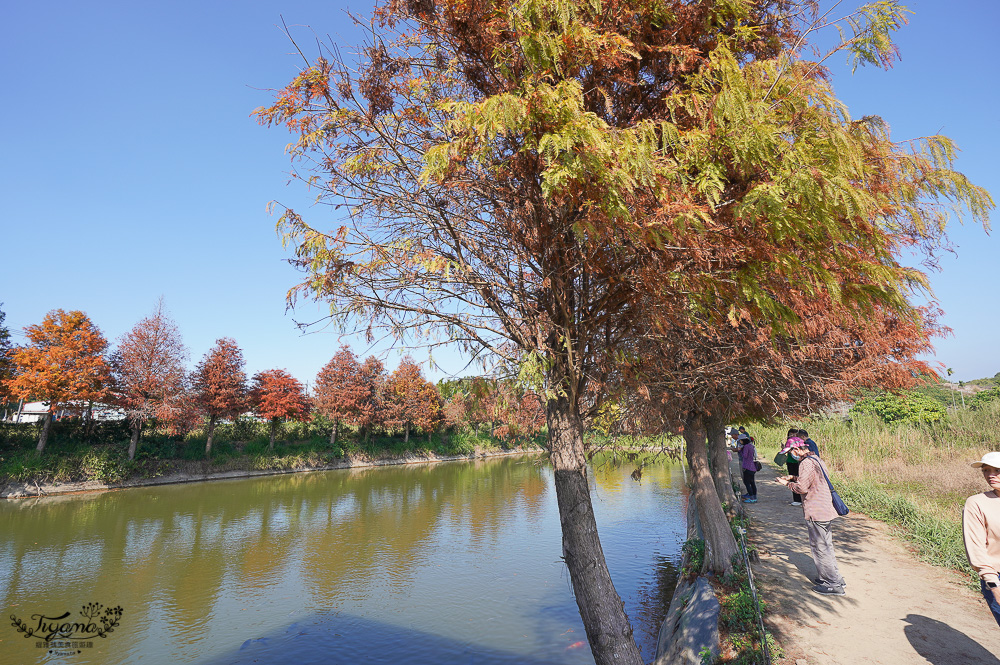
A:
(451, 554)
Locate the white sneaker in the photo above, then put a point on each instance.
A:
(795, 503)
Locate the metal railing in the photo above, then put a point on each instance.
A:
(764, 649)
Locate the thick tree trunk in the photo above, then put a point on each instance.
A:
(133, 443)
(720, 545)
(601, 608)
(720, 463)
(333, 434)
(274, 429)
(45, 432)
(406, 437)
(211, 433)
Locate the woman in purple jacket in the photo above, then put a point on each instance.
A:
(748, 459)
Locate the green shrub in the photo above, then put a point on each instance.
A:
(19, 435)
(106, 466)
(984, 398)
(738, 610)
(908, 407)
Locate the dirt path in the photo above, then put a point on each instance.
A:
(897, 611)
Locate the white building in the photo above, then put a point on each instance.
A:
(32, 412)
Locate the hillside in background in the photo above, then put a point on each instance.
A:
(950, 394)
(983, 384)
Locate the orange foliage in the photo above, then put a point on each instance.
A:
(276, 394)
(219, 380)
(413, 401)
(149, 371)
(63, 362)
(220, 384)
(347, 391)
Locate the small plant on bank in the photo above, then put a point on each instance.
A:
(739, 612)
(694, 552)
(106, 466)
(741, 638)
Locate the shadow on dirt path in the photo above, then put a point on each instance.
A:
(897, 611)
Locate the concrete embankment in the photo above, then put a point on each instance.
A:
(692, 623)
(198, 472)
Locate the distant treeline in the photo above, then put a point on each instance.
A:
(69, 365)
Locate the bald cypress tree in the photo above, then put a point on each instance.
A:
(540, 181)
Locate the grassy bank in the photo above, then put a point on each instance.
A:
(75, 454)
(914, 477)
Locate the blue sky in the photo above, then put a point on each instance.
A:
(131, 169)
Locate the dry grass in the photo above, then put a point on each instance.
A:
(914, 477)
(927, 464)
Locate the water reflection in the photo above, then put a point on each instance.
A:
(463, 555)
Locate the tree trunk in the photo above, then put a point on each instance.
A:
(134, 441)
(333, 434)
(88, 425)
(609, 631)
(720, 463)
(406, 437)
(720, 545)
(274, 429)
(211, 433)
(45, 432)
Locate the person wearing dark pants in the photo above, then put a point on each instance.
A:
(748, 464)
(751, 484)
(981, 532)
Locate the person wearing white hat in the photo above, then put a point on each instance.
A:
(981, 530)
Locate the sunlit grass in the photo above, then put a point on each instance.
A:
(913, 477)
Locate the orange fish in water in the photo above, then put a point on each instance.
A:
(576, 645)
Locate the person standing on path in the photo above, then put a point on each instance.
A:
(981, 531)
(817, 506)
(748, 464)
(810, 444)
(792, 466)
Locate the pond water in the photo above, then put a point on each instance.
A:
(456, 562)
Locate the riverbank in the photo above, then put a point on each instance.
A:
(200, 471)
